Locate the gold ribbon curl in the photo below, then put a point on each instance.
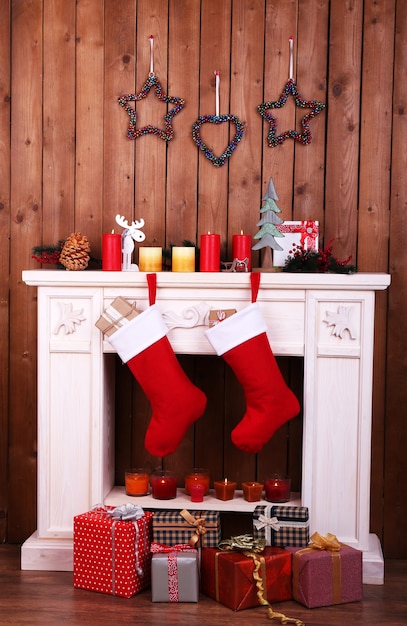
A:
(198, 523)
(252, 548)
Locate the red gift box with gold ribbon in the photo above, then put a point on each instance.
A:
(327, 572)
(227, 576)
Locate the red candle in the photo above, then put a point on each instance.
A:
(197, 492)
(197, 476)
(209, 260)
(111, 252)
(278, 488)
(164, 485)
(242, 248)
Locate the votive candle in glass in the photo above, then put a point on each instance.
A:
(183, 259)
(224, 489)
(242, 249)
(209, 255)
(136, 482)
(111, 252)
(277, 488)
(164, 484)
(150, 259)
(252, 491)
(197, 476)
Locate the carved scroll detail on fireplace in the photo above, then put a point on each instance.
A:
(196, 315)
(69, 318)
(341, 321)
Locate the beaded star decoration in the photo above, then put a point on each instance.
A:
(151, 83)
(273, 139)
(168, 132)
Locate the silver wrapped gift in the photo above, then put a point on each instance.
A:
(174, 574)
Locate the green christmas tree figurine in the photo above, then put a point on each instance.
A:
(268, 230)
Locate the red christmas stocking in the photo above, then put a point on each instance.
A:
(176, 403)
(242, 342)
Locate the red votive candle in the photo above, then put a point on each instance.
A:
(197, 476)
(224, 489)
(242, 249)
(209, 259)
(197, 492)
(164, 485)
(111, 252)
(277, 488)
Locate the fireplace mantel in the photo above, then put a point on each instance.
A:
(328, 319)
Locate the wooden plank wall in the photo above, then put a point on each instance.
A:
(66, 164)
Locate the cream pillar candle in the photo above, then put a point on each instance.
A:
(150, 259)
(183, 259)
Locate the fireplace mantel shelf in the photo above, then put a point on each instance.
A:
(327, 319)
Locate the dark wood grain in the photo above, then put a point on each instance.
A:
(50, 598)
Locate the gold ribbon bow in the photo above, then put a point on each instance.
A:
(325, 542)
(251, 548)
(198, 522)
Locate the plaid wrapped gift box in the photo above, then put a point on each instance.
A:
(112, 556)
(177, 527)
(281, 525)
(174, 573)
(227, 577)
(327, 572)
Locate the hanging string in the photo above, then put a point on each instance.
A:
(291, 40)
(217, 83)
(151, 39)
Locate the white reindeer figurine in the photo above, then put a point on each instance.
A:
(131, 234)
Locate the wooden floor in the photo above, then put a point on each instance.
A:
(49, 599)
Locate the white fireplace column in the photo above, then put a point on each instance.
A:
(326, 319)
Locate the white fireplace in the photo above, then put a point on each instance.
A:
(327, 319)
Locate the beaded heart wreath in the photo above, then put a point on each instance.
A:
(305, 137)
(151, 83)
(217, 119)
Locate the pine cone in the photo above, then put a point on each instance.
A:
(74, 254)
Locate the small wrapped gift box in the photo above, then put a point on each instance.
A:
(174, 573)
(111, 552)
(281, 525)
(175, 527)
(118, 313)
(304, 234)
(326, 573)
(215, 317)
(228, 577)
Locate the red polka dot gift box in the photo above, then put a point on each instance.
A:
(111, 551)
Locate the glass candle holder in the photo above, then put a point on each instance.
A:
(137, 482)
(224, 489)
(197, 476)
(277, 488)
(252, 491)
(164, 484)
